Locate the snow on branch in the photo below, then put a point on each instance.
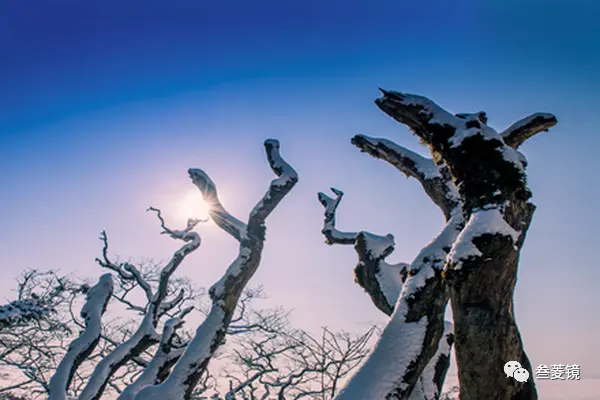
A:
(286, 179)
(435, 179)
(332, 235)
(21, 311)
(382, 281)
(432, 379)
(145, 335)
(168, 352)
(410, 339)
(408, 162)
(97, 298)
(226, 292)
(516, 134)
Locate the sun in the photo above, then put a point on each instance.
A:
(192, 205)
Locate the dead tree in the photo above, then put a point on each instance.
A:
(225, 293)
(481, 265)
(414, 295)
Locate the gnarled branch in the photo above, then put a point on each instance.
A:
(226, 292)
(96, 300)
(381, 280)
(516, 134)
(435, 179)
(145, 335)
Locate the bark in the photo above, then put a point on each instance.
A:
(226, 292)
(482, 266)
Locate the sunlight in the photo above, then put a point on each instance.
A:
(192, 205)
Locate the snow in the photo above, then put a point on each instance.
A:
(487, 221)
(209, 192)
(430, 390)
(389, 359)
(425, 166)
(513, 156)
(377, 245)
(390, 280)
(486, 132)
(286, 174)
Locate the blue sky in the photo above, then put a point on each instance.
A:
(103, 107)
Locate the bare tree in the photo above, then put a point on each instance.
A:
(226, 292)
(263, 354)
(30, 350)
(32, 305)
(270, 359)
(179, 362)
(477, 259)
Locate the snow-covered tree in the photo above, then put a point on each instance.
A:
(477, 177)
(177, 365)
(385, 283)
(263, 354)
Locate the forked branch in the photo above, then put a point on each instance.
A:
(226, 292)
(382, 281)
(145, 335)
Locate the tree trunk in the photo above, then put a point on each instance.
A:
(482, 265)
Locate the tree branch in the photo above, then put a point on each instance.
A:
(516, 134)
(165, 357)
(217, 212)
(382, 281)
(145, 335)
(332, 235)
(435, 179)
(432, 379)
(96, 300)
(286, 179)
(226, 292)
(414, 330)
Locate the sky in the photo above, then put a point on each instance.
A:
(104, 107)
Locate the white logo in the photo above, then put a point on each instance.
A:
(514, 370)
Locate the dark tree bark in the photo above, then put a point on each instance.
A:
(482, 266)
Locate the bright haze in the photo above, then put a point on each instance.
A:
(104, 107)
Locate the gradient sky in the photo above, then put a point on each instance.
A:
(103, 107)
